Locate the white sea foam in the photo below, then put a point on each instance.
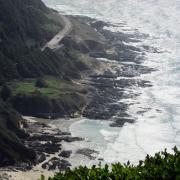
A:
(108, 135)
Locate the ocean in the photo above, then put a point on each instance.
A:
(158, 127)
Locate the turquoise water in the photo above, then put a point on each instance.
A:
(159, 127)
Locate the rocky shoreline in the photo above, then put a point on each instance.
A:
(105, 89)
(46, 141)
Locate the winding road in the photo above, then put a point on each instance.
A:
(54, 43)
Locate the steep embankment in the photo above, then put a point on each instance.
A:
(54, 43)
(37, 81)
(25, 26)
(11, 138)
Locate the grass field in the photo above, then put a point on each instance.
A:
(56, 87)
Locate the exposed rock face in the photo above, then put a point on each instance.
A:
(65, 154)
(107, 88)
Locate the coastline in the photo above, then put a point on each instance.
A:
(105, 89)
(79, 154)
(37, 170)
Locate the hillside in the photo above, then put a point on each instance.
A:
(11, 138)
(41, 82)
(25, 27)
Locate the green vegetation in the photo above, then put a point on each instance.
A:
(84, 32)
(55, 87)
(25, 26)
(54, 98)
(162, 165)
(11, 143)
(5, 93)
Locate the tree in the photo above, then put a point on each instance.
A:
(41, 83)
(5, 93)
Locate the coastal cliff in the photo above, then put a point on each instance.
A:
(55, 66)
(35, 82)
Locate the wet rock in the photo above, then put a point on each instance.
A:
(71, 139)
(87, 152)
(100, 159)
(41, 157)
(65, 154)
(21, 166)
(60, 133)
(48, 147)
(56, 163)
(119, 122)
(44, 137)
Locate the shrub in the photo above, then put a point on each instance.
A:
(41, 83)
(162, 165)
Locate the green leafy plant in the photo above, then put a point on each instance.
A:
(162, 165)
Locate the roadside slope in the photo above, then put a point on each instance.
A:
(54, 43)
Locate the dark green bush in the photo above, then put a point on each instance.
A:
(162, 165)
(41, 83)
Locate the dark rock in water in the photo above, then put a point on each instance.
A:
(65, 154)
(87, 152)
(133, 70)
(119, 122)
(71, 139)
(49, 147)
(56, 163)
(100, 159)
(99, 25)
(108, 91)
(41, 157)
(60, 133)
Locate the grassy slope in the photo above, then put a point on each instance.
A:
(83, 32)
(60, 97)
(56, 87)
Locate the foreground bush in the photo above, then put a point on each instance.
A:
(162, 166)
